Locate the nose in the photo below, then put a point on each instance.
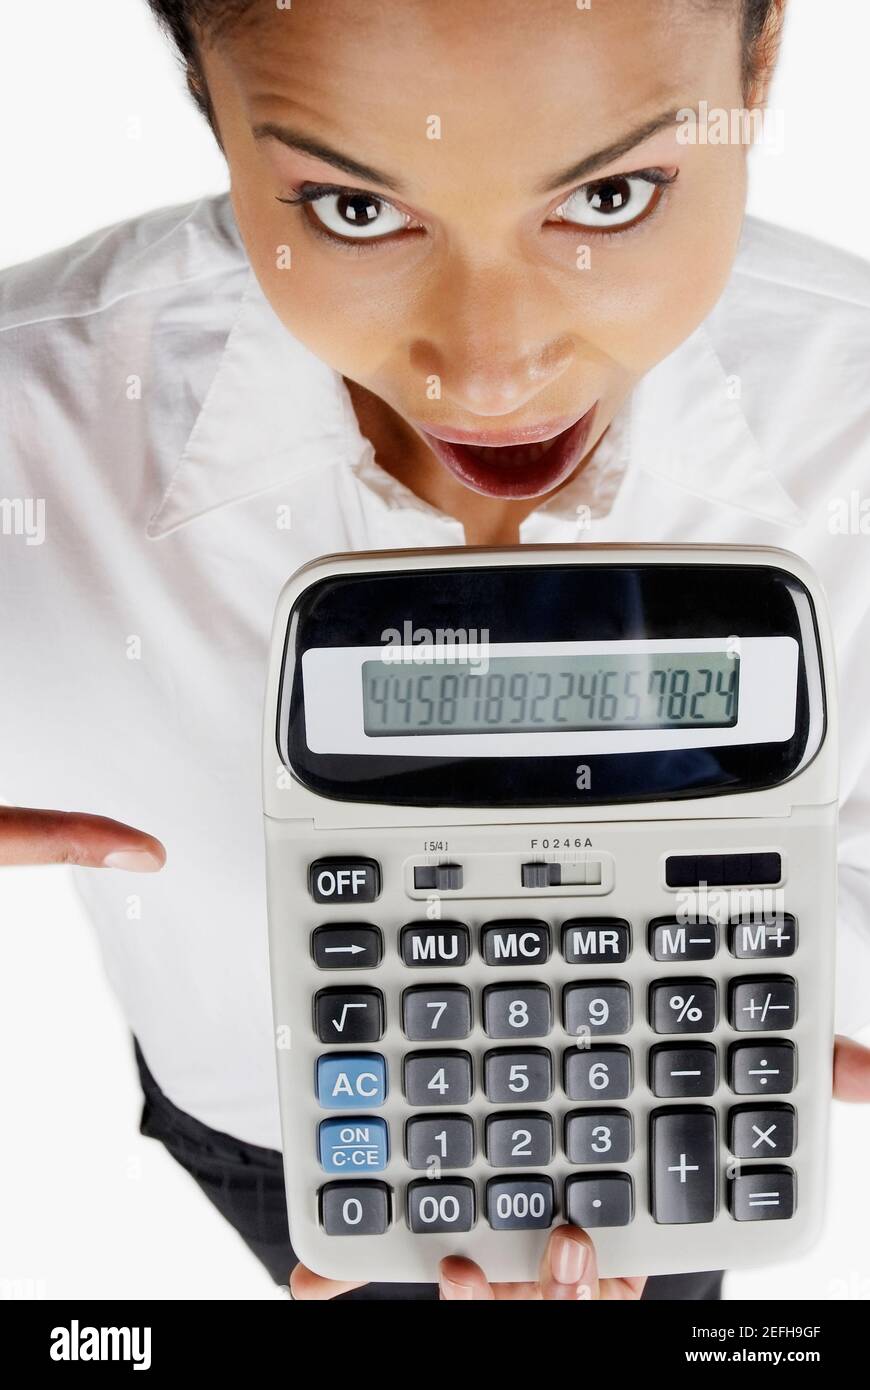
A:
(491, 342)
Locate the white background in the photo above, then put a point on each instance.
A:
(96, 127)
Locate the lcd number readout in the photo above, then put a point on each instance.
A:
(548, 693)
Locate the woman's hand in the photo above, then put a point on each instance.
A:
(28, 836)
(568, 1272)
(568, 1268)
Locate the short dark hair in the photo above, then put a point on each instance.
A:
(180, 18)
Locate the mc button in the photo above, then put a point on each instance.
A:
(344, 880)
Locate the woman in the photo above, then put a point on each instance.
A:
(438, 307)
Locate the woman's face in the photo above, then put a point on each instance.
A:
(511, 232)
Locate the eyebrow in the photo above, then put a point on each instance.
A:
(574, 173)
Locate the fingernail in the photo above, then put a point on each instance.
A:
(450, 1289)
(568, 1260)
(136, 861)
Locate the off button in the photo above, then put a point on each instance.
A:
(344, 880)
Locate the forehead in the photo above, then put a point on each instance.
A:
(544, 77)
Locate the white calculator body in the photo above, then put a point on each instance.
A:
(551, 843)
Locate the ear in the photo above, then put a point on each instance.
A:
(761, 61)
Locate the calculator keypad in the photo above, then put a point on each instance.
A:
(555, 1047)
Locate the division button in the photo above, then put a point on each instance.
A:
(763, 1005)
(762, 1132)
(448, 943)
(683, 1164)
(682, 1072)
(672, 939)
(762, 1194)
(349, 1145)
(344, 880)
(764, 1069)
(438, 878)
(436, 1206)
(596, 940)
(354, 947)
(355, 1208)
(348, 1081)
(520, 1204)
(599, 1199)
(349, 1016)
(540, 875)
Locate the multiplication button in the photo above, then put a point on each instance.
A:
(762, 1132)
(355, 1208)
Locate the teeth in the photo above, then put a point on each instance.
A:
(519, 454)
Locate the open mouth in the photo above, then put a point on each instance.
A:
(515, 470)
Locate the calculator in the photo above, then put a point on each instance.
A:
(551, 858)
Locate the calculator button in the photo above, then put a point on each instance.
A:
(768, 1069)
(510, 942)
(751, 939)
(347, 1082)
(597, 1073)
(438, 1078)
(599, 1136)
(347, 948)
(541, 875)
(599, 1199)
(448, 943)
(433, 1014)
(603, 1007)
(437, 1206)
(671, 939)
(762, 1132)
(440, 878)
(521, 1076)
(762, 1194)
(349, 1015)
(439, 1141)
(763, 1005)
(350, 1145)
(683, 1006)
(683, 1165)
(678, 1072)
(355, 1208)
(520, 1204)
(596, 940)
(344, 880)
(517, 1011)
(519, 1140)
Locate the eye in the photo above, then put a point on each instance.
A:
(615, 202)
(351, 214)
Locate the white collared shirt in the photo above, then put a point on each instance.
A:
(171, 426)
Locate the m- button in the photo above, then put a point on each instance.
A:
(344, 880)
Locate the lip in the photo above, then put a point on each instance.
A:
(527, 434)
(510, 478)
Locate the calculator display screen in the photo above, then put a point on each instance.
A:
(522, 694)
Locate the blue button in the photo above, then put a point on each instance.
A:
(351, 1082)
(357, 1145)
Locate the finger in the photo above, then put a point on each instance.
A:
(306, 1286)
(29, 836)
(622, 1290)
(459, 1278)
(851, 1070)
(569, 1269)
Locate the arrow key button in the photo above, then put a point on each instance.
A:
(357, 946)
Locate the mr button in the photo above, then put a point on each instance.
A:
(344, 880)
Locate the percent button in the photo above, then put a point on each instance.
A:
(683, 1006)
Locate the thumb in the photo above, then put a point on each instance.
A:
(29, 836)
(851, 1070)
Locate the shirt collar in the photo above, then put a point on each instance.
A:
(274, 411)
